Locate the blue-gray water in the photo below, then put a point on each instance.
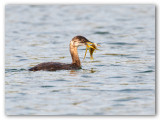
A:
(120, 80)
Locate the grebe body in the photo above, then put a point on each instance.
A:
(75, 65)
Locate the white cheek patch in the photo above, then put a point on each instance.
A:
(74, 43)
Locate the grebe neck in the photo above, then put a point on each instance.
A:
(74, 54)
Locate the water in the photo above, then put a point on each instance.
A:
(120, 80)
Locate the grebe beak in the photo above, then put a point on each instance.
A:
(89, 42)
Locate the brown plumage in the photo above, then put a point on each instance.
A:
(76, 64)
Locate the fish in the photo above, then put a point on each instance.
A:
(91, 47)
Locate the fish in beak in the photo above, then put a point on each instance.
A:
(91, 47)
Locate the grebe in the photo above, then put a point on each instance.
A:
(75, 65)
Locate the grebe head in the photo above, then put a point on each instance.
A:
(79, 41)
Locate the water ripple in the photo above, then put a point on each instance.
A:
(101, 33)
(147, 71)
(122, 43)
(46, 86)
(134, 90)
(126, 99)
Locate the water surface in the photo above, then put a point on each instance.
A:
(119, 81)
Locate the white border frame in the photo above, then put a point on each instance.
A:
(2, 60)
